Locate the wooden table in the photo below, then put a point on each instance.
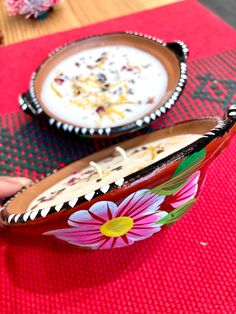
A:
(70, 14)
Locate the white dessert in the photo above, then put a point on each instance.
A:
(104, 87)
(86, 180)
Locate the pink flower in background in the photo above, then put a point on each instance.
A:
(29, 7)
(106, 225)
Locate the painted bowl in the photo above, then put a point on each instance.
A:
(107, 85)
(124, 193)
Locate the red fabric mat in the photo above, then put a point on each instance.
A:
(204, 33)
(170, 273)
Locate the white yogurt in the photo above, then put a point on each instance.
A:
(86, 180)
(105, 87)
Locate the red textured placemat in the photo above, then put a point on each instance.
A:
(204, 33)
(170, 273)
(31, 149)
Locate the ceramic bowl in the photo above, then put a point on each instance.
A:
(107, 85)
(125, 193)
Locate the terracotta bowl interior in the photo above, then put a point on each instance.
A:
(20, 203)
(162, 53)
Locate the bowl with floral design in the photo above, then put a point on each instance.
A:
(125, 193)
(107, 85)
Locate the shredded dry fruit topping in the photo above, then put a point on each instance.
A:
(95, 91)
(105, 87)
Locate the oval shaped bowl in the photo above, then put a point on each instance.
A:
(172, 56)
(129, 208)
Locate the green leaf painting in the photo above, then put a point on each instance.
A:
(190, 162)
(170, 187)
(176, 214)
(185, 169)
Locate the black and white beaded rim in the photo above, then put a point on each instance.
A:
(218, 131)
(34, 106)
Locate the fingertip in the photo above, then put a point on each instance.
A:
(11, 185)
(9, 188)
(22, 181)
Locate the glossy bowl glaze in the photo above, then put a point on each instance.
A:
(116, 210)
(121, 112)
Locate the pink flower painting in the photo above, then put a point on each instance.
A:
(106, 225)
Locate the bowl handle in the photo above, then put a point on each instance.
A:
(230, 118)
(230, 114)
(180, 49)
(28, 105)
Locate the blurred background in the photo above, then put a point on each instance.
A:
(76, 13)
